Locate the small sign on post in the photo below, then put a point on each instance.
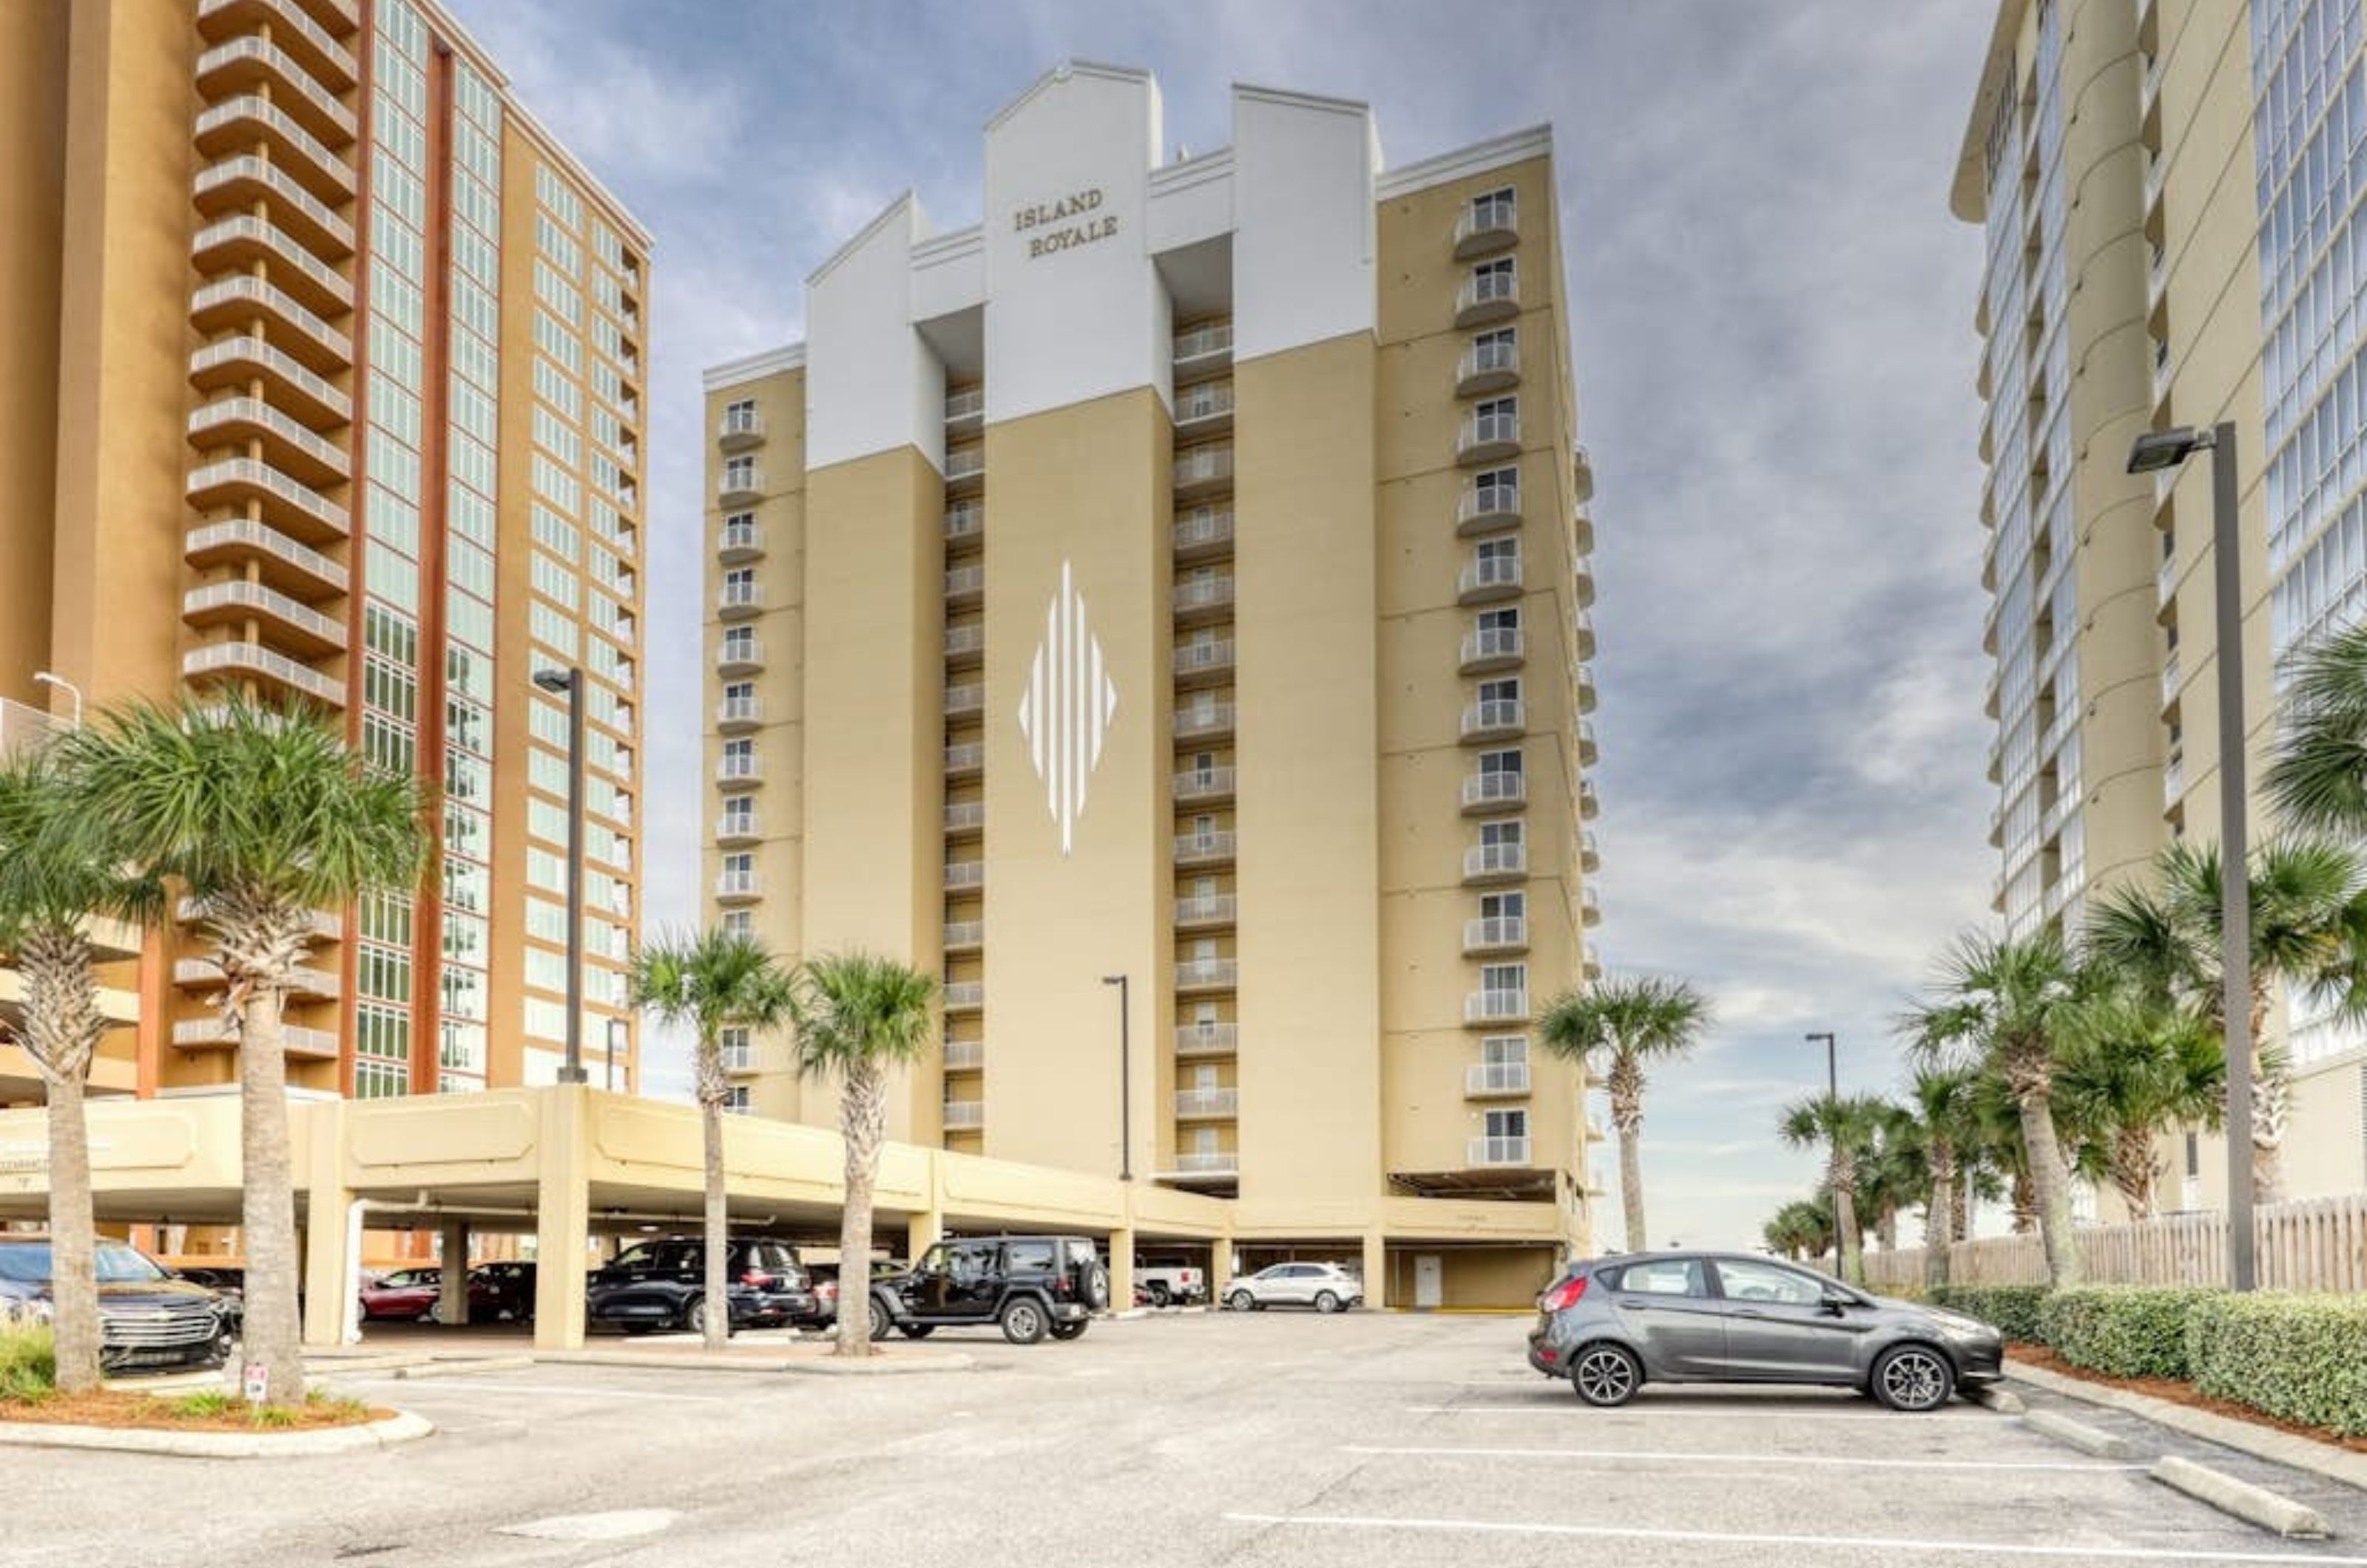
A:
(257, 1383)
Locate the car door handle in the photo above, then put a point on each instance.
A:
(1747, 1312)
(1636, 1306)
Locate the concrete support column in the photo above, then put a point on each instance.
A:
(452, 1298)
(1376, 1269)
(562, 1218)
(328, 1242)
(1121, 1268)
(922, 1231)
(1220, 1269)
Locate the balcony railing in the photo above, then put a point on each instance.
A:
(1203, 1162)
(741, 538)
(203, 1034)
(965, 582)
(965, 700)
(2170, 682)
(1204, 466)
(738, 770)
(962, 642)
(1203, 529)
(1488, 432)
(286, 501)
(735, 825)
(1198, 1102)
(741, 427)
(1589, 749)
(241, 659)
(228, 122)
(243, 57)
(1203, 341)
(965, 995)
(328, 57)
(1203, 593)
(1207, 1039)
(1202, 971)
(1495, 932)
(739, 884)
(964, 934)
(740, 653)
(1496, 715)
(1488, 295)
(1493, 645)
(738, 1058)
(304, 981)
(1590, 850)
(1208, 400)
(1491, 363)
(1484, 224)
(1215, 908)
(233, 421)
(968, 757)
(1494, 789)
(220, 180)
(1196, 722)
(1204, 657)
(965, 1114)
(1204, 783)
(1491, 506)
(253, 598)
(964, 520)
(966, 406)
(1496, 859)
(232, 302)
(739, 597)
(740, 482)
(1201, 849)
(964, 464)
(965, 1056)
(239, 237)
(1496, 1078)
(1498, 1151)
(228, 362)
(1589, 804)
(736, 711)
(964, 816)
(1488, 574)
(965, 873)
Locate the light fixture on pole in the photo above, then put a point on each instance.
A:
(571, 681)
(620, 1038)
(1833, 1095)
(2153, 452)
(1125, 1073)
(45, 678)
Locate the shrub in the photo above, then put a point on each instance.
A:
(2301, 1358)
(28, 1360)
(2122, 1331)
(2012, 1310)
(211, 1402)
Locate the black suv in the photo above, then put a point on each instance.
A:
(1029, 1285)
(146, 1317)
(662, 1284)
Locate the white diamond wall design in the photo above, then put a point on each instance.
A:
(1065, 712)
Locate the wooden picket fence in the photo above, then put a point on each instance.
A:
(2317, 1244)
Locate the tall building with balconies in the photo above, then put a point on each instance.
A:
(2172, 197)
(1161, 611)
(321, 380)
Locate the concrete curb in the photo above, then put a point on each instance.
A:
(879, 1366)
(948, 1362)
(2253, 1505)
(2079, 1435)
(461, 1368)
(400, 1428)
(2004, 1401)
(2244, 1436)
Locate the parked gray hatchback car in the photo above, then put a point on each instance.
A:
(1613, 1324)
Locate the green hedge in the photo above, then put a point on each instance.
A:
(2012, 1309)
(2302, 1358)
(2123, 1331)
(28, 1359)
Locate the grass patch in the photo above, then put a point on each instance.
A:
(28, 1362)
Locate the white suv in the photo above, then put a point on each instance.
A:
(1326, 1287)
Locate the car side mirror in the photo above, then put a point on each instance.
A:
(1838, 1301)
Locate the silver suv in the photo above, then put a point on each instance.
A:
(1613, 1324)
(1326, 1287)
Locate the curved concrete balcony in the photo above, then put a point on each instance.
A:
(1589, 806)
(1589, 905)
(1581, 529)
(239, 124)
(244, 181)
(738, 828)
(1208, 1104)
(253, 303)
(1203, 472)
(1204, 598)
(1592, 962)
(1495, 1080)
(739, 886)
(1204, 785)
(1581, 473)
(1489, 297)
(1488, 368)
(733, 714)
(204, 973)
(738, 601)
(1205, 409)
(741, 541)
(739, 656)
(1496, 1006)
(1207, 975)
(287, 504)
(1487, 438)
(291, 25)
(1202, 532)
(964, 411)
(1590, 851)
(1495, 718)
(1485, 578)
(1207, 1039)
(1210, 721)
(1582, 581)
(1586, 692)
(1582, 633)
(740, 484)
(295, 625)
(1199, 663)
(1205, 913)
(1588, 751)
(276, 558)
(1490, 648)
(256, 65)
(741, 430)
(232, 363)
(1205, 849)
(1494, 792)
(236, 422)
(1486, 510)
(1486, 228)
(1495, 863)
(241, 662)
(243, 241)
(1496, 934)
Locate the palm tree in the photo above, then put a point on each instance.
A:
(710, 982)
(263, 816)
(856, 1015)
(2007, 1003)
(1894, 1173)
(2319, 778)
(2134, 1067)
(1947, 1127)
(1846, 1126)
(1801, 1229)
(1624, 1023)
(2309, 932)
(58, 869)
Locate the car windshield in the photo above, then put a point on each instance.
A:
(660, 1255)
(29, 1263)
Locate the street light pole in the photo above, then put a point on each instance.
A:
(1833, 1096)
(2167, 449)
(45, 678)
(1125, 1073)
(571, 681)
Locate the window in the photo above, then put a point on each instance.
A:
(1510, 1125)
(1494, 280)
(1501, 762)
(740, 417)
(1498, 351)
(1667, 1277)
(1504, 1050)
(736, 1101)
(1505, 691)
(740, 814)
(740, 473)
(1504, 979)
(739, 922)
(1746, 1281)
(739, 699)
(1500, 833)
(1504, 906)
(1496, 419)
(1493, 210)
(740, 644)
(1498, 490)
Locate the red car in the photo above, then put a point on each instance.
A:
(406, 1292)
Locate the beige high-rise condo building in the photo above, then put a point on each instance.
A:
(1161, 610)
(2172, 194)
(320, 377)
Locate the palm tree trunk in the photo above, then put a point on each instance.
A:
(1631, 1186)
(862, 1119)
(273, 1334)
(2134, 1171)
(1885, 1227)
(1848, 1242)
(1960, 1228)
(74, 1240)
(715, 1292)
(2025, 1202)
(2271, 1105)
(1939, 1223)
(2051, 1181)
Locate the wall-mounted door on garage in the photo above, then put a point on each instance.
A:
(1429, 1283)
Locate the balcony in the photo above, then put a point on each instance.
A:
(239, 124)
(325, 925)
(965, 586)
(964, 936)
(739, 656)
(1496, 1006)
(241, 243)
(1204, 721)
(964, 819)
(1203, 350)
(1491, 648)
(742, 539)
(239, 661)
(1581, 474)
(1198, 663)
(964, 1115)
(243, 183)
(1207, 1162)
(1589, 905)
(1207, 1039)
(739, 886)
(2170, 680)
(738, 827)
(735, 714)
(965, 995)
(244, 64)
(1197, 786)
(1588, 752)
(1486, 578)
(235, 362)
(741, 430)
(960, 873)
(966, 469)
(286, 446)
(1203, 410)
(965, 520)
(1202, 471)
(2173, 781)
(1212, 848)
(965, 411)
(1204, 598)
(1487, 367)
(1208, 910)
(1206, 975)
(1587, 694)
(1589, 806)
(1581, 530)
(1496, 934)
(965, 1056)
(2165, 583)
(1582, 633)
(292, 624)
(966, 644)
(1590, 853)
(1592, 960)
(738, 601)
(1582, 581)
(966, 701)
(730, 770)
(1206, 1104)
(1488, 296)
(1494, 792)
(1490, 1152)
(1491, 1081)
(737, 1059)
(1494, 718)
(204, 973)
(214, 1034)
(965, 760)
(1495, 863)
(1487, 438)
(1484, 227)
(1485, 510)
(286, 322)
(743, 484)
(290, 24)
(1204, 531)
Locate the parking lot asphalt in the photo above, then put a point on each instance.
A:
(1372, 1440)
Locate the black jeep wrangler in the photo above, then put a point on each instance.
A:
(1028, 1285)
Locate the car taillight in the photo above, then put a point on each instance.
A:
(1564, 1296)
(756, 1280)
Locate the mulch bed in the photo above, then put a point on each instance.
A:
(155, 1413)
(2184, 1393)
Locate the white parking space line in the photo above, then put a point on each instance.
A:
(581, 1391)
(1569, 1409)
(1843, 1461)
(1887, 1544)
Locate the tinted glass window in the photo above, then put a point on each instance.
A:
(1670, 1277)
(660, 1256)
(1746, 1281)
(1028, 1257)
(28, 1262)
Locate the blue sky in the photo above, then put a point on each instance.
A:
(1774, 352)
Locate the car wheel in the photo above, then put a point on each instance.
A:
(1097, 1288)
(1606, 1376)
(1913, 1378)
(1325, 1302)
(1024, 1321)
(919, 1330)
(880, 1320)
(1071, 1330)
(694, 1317)
(1161, 1295)
(1240, 1301)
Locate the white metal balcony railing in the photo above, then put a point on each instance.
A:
(1495, 789)
(1486, 218)
(1489, 430)
(1198, 657)
(255, 473)
(1498, 1151)
(1488, 289)
(282, 187)
(1588, 802)
(247, 290)
(741, 536)
(964, 580)
(1203, 528)
(739, 825)
(1495, 1007)
(319, 99)
(742, 423)
(1208, 972)
(1589, 905)
(281, 245)
(965, 699)
(740, 596)
(206, 418)
(1496, 930)
(1496, 1078)
(286, 14)
(316, 1044)
(1196, 848)
(1494, 715)
(965, 463)
(1204, 1162)
(1199, 342)
(1204, 465)
(963, 641)
(738, 884)
(963, 1055)
(303, 980)
(1491, 643)
(738, 1058)
(246, 348)
(741, 478)
(1590, 850)
(1488, 359)
(964, 520)
(1203, 593)
(739, 652)
(2170, 682)
(254, 658)
(740, 710)
(1488, 573)
(965, 873)
(964, 933)
(2165, 581)
(730, 769)
(1496, 859)
(964, 816)
(1207, 1039)
(2173, 780)
(1210, 400)
(965, 993)
(1204, 909)
(1216, 718)
(262, 601)
(1494, 502)
(965, 1114)
(255, 107)
(967, 404)
(967, 757)
(1202, 783)
(1207, 1101)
